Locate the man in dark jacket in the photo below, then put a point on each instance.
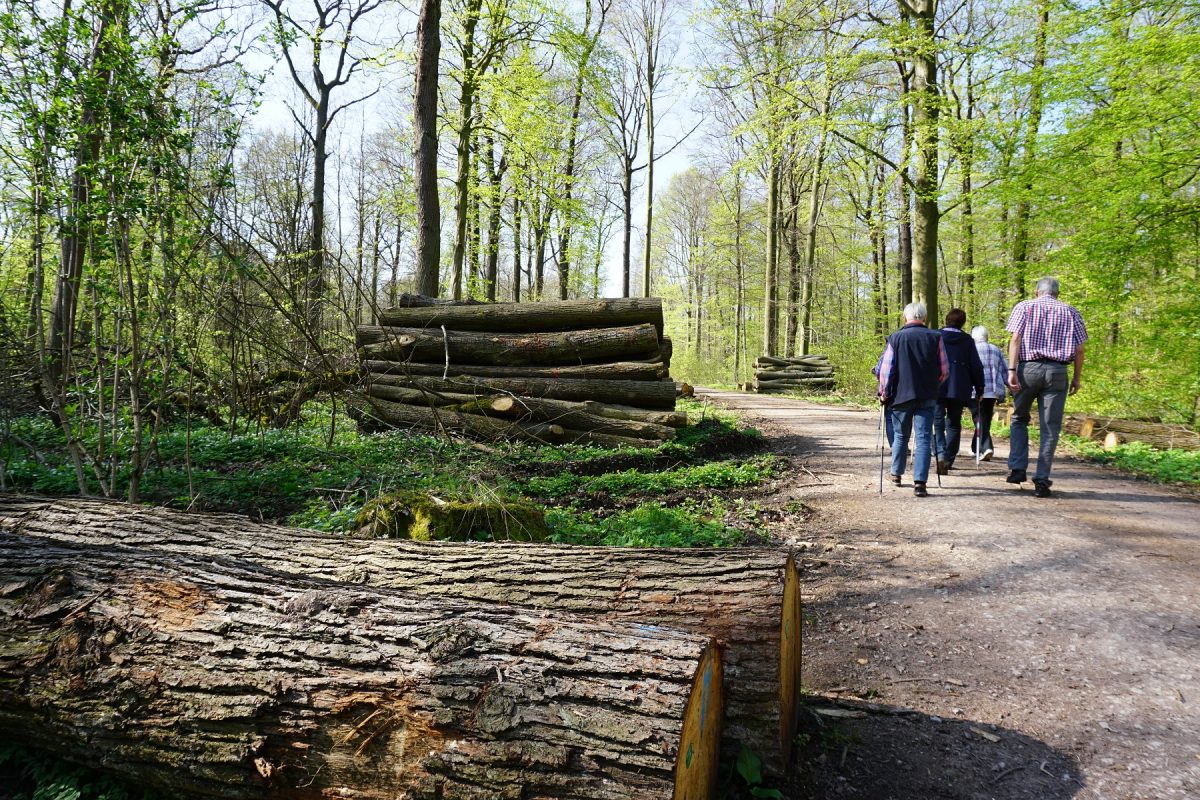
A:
(913, 367)
(966, 375)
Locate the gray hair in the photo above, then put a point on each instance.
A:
(915, 311)
(1048, 286)
(979, 333)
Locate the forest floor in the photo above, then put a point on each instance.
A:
(983, 643)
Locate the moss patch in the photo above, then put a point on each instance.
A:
(421, 516)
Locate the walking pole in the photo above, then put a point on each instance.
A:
(978, 438)
(879, 438)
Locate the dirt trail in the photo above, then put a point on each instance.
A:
(986, 643)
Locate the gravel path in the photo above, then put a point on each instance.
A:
(983, 643)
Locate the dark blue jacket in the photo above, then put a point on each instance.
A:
(966, 370)
(914, 365)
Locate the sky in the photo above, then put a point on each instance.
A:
(678, 101)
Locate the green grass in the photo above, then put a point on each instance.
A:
(647, 525)
(1167, 466)
(311, 477)
(712, 475)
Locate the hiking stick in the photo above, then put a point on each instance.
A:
(879, 438)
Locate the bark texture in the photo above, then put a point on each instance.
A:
(506, 349)
(654, 395)
(578, 417)
(563, 315)
(746, 598)
(613, 371)
(221, 679)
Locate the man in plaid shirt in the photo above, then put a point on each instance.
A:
(1047, 335)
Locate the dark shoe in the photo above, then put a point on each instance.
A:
(919, 490)
(894, 478)
(1041, 488)
(1016, 476)
(943, 467)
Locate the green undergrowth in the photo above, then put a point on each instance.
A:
(647, 525)
(320, 475)
(31, 775)
(713, 475)
(1167, 466)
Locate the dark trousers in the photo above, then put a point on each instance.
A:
(947, 429)
(981, 441)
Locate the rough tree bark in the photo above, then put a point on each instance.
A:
(658, 395)
(429, 225)
(747, 598)
(506, 349)
(563, 315)
(614, 370)
(223, 679)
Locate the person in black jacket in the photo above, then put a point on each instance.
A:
(913, 366)
(966, 374)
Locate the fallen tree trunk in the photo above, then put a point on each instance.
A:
(793, 373)
(794, 381)
(419, 397)
(614, 371)
(747, 598)
(657, 395)
(403, 415)
(408, 300)
(223, 679)
(1155, 434)
(786, 362)
(577, 417)
(506, 349)
(562, 315)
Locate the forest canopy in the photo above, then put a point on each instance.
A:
(163, 254)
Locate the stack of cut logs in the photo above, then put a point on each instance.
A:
(806, 373)
(209, 655)
(594, 371)
(1113, 431)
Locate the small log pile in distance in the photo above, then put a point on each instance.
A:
(211, 655)
(1113, 431)
(592, 371)
(809, 373)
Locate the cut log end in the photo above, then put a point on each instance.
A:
(791, 650)
(700, 739)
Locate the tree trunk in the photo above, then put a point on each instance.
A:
(381, 407)
(216, 678)
(491, 272)
(561, 315)
(476, 347)
(466, 126)
(658, 395)
(1024, 204)
(904, 244)
(516, 265)
(747, 598)
(925, 127)
(771, 281)
(576, 417)
(429, 215)
(613, 371)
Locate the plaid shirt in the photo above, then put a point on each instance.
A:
(1048, 328)
(995, 369)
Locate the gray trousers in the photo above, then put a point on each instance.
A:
(1045, 382)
